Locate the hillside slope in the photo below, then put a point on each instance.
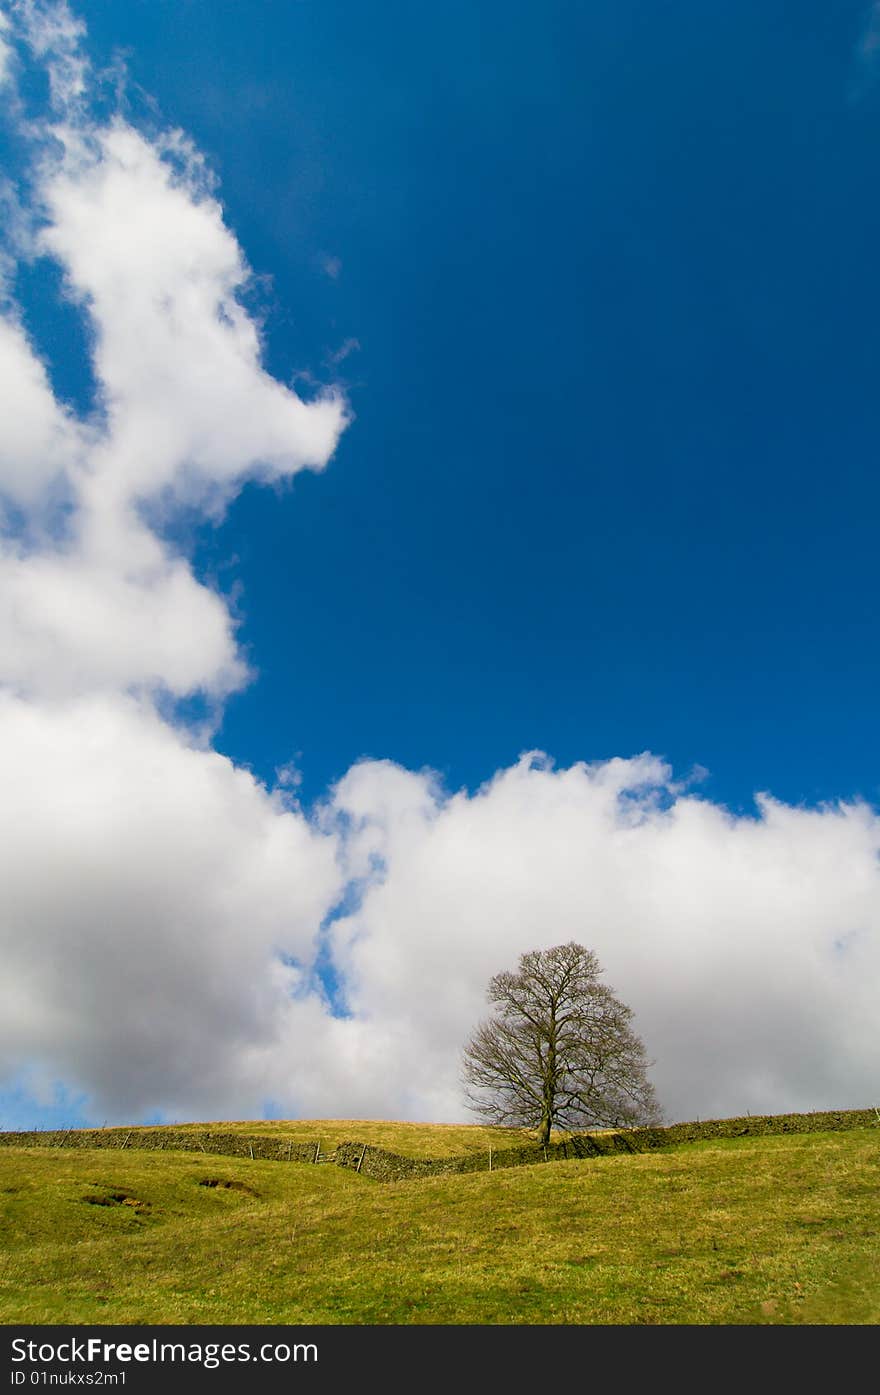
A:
(774, 1229)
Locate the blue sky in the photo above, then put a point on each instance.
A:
(595, 288)
(611, 484)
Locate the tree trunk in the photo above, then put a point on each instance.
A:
(549, 1090)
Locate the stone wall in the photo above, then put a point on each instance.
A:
(383, 1166)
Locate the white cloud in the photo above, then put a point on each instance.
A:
(54, 36)
(148, 888)
(72, 624)
(151, 894)
(749, 947)
(185, 412)
(5, 52)
(188, 406)
(331, 266)
(346, 348)
(39, 442)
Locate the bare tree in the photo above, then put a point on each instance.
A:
(559, 1050)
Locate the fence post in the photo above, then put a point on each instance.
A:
(490, 1159)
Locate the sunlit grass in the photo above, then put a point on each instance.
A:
(754, 1230)
(413, 1140)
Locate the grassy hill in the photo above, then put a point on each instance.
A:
(414, 1140)
(776, 1229)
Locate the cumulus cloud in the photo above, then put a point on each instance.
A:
(39, 442)
(168, 925)
(749, 947)
(153, 901)
(189, 409)
(159, 909)
(71, 623)
(185, 412)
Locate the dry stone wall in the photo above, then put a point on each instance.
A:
(237, 1145)
(383, 1166)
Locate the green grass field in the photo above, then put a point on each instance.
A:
(753, 1230)
(414, 1140)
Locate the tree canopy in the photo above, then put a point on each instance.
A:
(559, 1049)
